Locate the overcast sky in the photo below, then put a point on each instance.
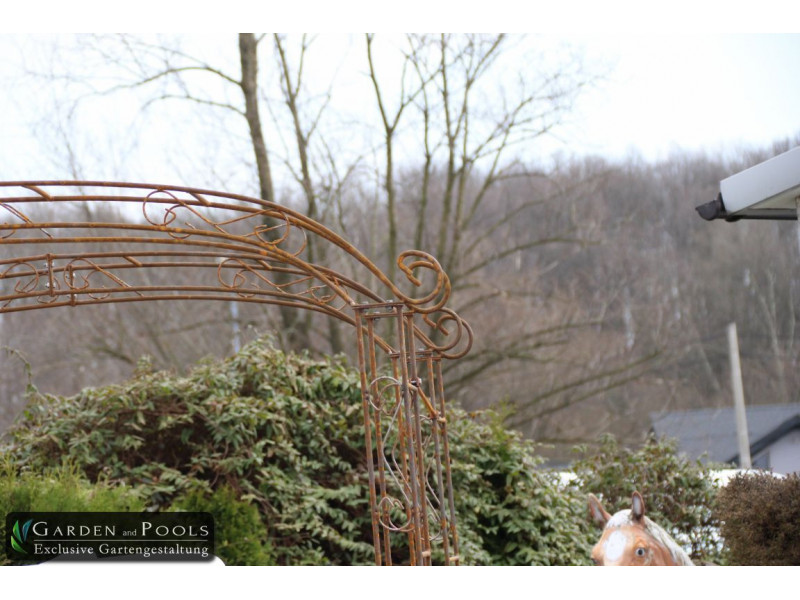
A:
(663, 93)
(695, 92)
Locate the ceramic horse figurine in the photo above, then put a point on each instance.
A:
(630, 538)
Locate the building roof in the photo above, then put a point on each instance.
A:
(712, 431)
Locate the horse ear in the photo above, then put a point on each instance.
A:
(597, 512)
(637, 506)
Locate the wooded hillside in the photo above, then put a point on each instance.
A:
(622, 317)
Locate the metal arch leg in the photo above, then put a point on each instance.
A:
(411, 495)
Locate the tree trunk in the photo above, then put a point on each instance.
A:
(295, 328)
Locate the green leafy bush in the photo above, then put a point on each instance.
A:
(760, 516)
(679, 493)
(285, 434)
(511, 513)
(282, 432)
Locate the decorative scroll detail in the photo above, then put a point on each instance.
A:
(256, 248)
(440, 292)
(78, 278)
(182, 218)
(243, 277)
(250, 250)
(25, 275)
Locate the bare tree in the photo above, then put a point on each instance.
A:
(474, 200)
(595, 294)
(470, 197)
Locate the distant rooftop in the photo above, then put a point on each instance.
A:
(712, 431)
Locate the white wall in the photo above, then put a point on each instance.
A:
(784, 455)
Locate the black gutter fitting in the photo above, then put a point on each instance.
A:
(714, 210)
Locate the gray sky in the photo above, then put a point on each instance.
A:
(663, 93)
(695, 92)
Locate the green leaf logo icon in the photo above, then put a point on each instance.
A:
(20, 536)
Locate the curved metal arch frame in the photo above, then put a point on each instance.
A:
(258, 251)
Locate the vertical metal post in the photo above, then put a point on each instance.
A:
(383, 510)
(455, 558)
(738, 399)
(410, 447)
(365, 401)
(415, 427)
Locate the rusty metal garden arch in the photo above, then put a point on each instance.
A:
(250, 250)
